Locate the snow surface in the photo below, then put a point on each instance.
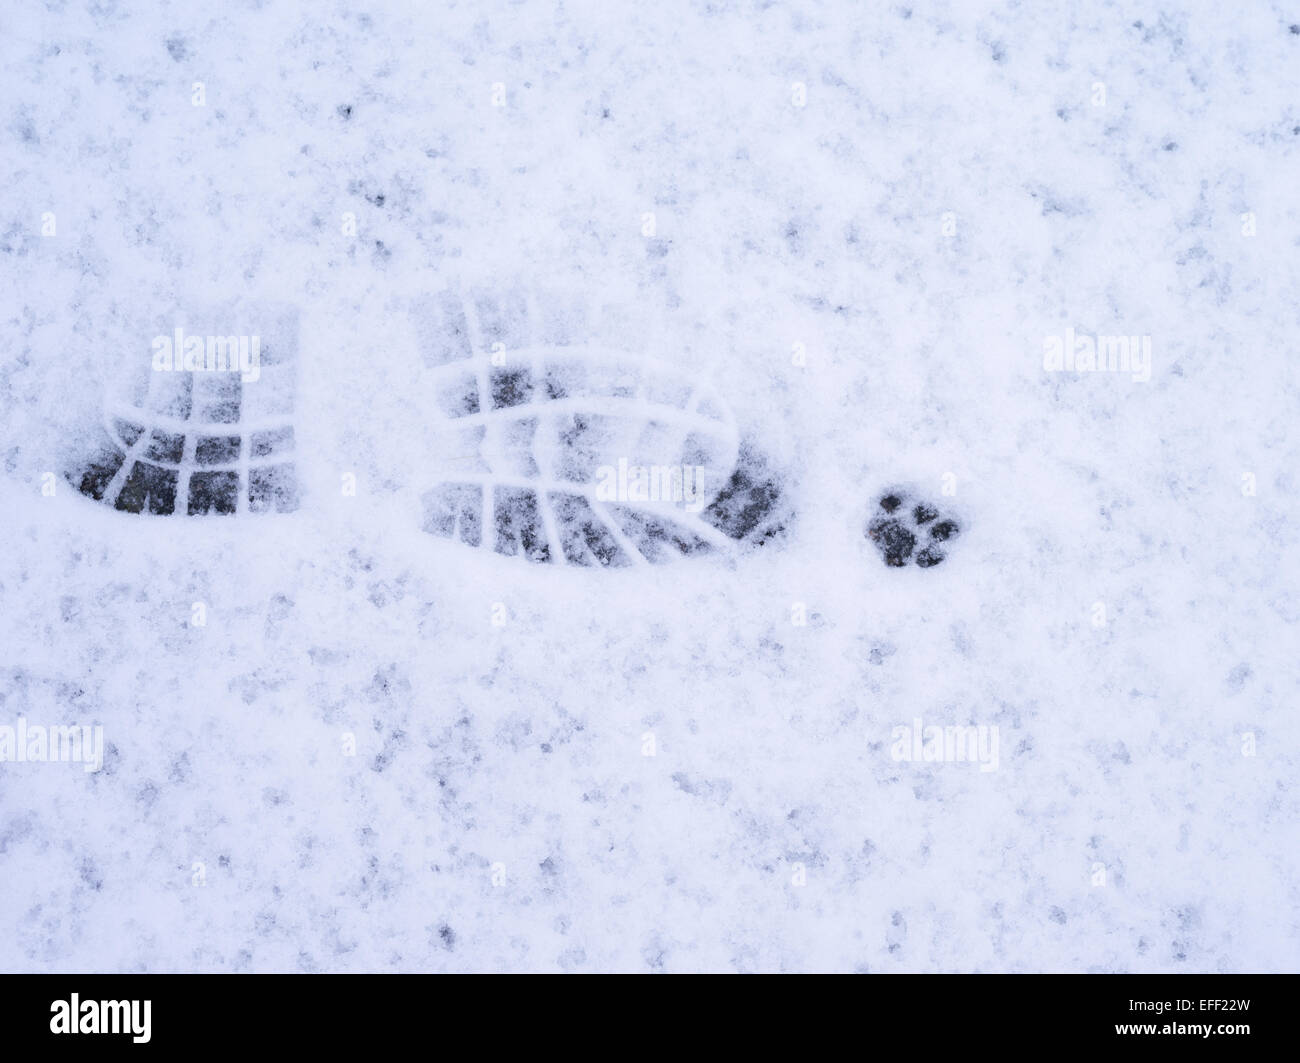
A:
(949, 194)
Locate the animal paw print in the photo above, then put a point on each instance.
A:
(902, 524)
(569, 453)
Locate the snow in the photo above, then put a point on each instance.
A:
(943, 195)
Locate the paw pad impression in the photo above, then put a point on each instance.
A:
(906, 529)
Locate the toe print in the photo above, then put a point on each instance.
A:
(906, 530)
(202, 440)
(576, 454)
